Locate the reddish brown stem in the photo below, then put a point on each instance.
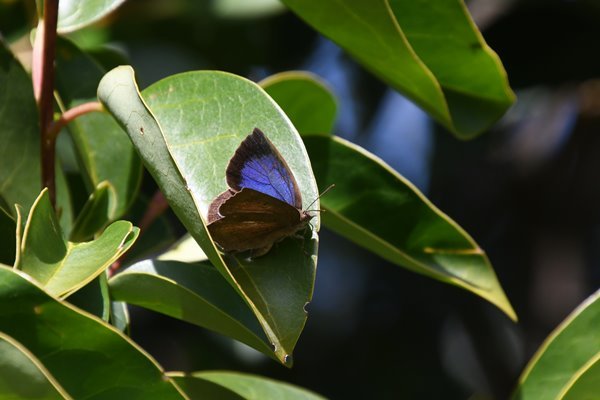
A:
(70, 115)
(46, 96)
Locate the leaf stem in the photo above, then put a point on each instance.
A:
(70, 115)
(46, 95)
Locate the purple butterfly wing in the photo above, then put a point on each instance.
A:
(258, 165)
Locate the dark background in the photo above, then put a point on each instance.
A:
(527, 191)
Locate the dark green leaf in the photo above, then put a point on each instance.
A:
(308, 102)
(8, 230)
(93, 297)
(196, 293)
(378, 209)
(428, 50)
(103, 149)
(62, 267)
(566, 364)
(186, 135)
(86, 356)
(20, 179)
(96, 213)
(200, 385)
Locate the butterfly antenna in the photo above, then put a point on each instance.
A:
(319, 196)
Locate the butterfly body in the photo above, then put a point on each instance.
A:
(263, 204)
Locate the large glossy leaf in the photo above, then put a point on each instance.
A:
(186, 133)
(428, 50)
(566, 364)
(195, 293)
(203, 385)
(103, 149)
(306, 100)
(62, 267)
(22, 375)
(77, 14)
(378, 209)
(86, 356)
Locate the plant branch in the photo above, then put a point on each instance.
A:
(45, 94)
(70, 115)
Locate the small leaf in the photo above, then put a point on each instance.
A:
(186, 134)
(185, 250)
(103, 149)
(195, 293)
(22, 375)
(428, 50)
(378, 209)
(248, 387)
(566, 365)
(62, 267)
(77, 14)
(95, 214)
(306, 100)
(86, 356)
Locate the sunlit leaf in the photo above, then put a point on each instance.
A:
(186, 128)
(76, 14)
(308, 102)
(378, 209)
(196, 293)
(86, 356)
(429, 50)
(566, 365)
(62, 267)
(244, 386)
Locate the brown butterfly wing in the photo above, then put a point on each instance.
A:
(251, 220)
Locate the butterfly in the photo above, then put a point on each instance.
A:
(263, 204)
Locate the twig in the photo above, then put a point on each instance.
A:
(70, 115)
(44, 89)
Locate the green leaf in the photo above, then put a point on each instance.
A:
(93, 297)
(196, 293)
(566, 365)
(200, 385)
(62, 267)
(428, 50)
(185, 250)
(186, 134)
(74, 15)
(306, 100)
(22, 375)
(103, 149)
(86, 356)
(95, 214)
(119, 316)
(8, 229)
(246, 8)
(20, 178)
(378, 209)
